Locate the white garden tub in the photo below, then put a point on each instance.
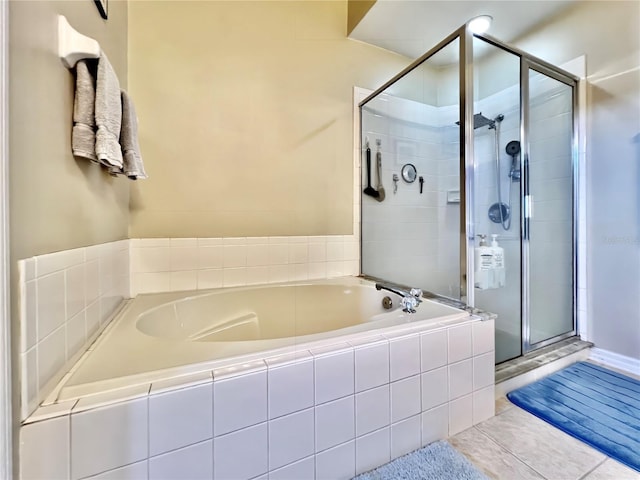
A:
(161, 336)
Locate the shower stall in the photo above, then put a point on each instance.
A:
(475, 144)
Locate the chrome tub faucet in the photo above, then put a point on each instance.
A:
(409, 300)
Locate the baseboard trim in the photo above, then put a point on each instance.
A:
(615, 360)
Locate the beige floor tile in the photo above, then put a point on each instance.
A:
(612, 470)
(503, 404)
(552, 453)
(491, 458)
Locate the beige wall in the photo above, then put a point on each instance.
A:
(607, 33)
(245, 115)
(56, 202)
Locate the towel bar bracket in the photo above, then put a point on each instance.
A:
(73, 46)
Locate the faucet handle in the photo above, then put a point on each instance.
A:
(416, 292)
(409, 304)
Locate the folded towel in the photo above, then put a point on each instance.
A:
(108, 114)
(83, 137)
(132, 159)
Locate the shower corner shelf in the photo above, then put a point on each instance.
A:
(73, 46)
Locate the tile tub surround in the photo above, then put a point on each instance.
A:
(66, 299)
(326, 412)
(175, 264)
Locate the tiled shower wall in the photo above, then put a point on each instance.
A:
(66, 298)
(412, 238)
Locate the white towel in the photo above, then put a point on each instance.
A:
(83, 136)
(133, 166)
(108, 114)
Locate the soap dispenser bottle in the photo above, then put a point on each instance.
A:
(498, 263)
(483, 264)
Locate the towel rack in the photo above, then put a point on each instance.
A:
(73, 46)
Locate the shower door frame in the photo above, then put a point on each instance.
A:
(467, 167)
(526, 66)
(529, 62)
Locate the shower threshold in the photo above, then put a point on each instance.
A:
(541, 362)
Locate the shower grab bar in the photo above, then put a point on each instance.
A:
(73, 46)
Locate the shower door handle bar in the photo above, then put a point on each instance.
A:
(527, 199)
(528, 206)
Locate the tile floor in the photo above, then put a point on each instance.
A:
(515, 445)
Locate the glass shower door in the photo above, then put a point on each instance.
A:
(548, 184)
(410, 141)
(497, 196)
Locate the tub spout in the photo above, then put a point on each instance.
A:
(410, 300)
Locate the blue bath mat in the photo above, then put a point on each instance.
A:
(437, 461)
(597, 406)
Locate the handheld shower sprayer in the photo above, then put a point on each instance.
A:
(513, 150)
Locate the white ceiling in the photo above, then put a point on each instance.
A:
(412, 27)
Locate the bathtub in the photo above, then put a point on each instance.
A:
(162, 336)
(310, 380)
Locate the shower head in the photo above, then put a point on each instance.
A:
(480, 121)
(513, 148)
